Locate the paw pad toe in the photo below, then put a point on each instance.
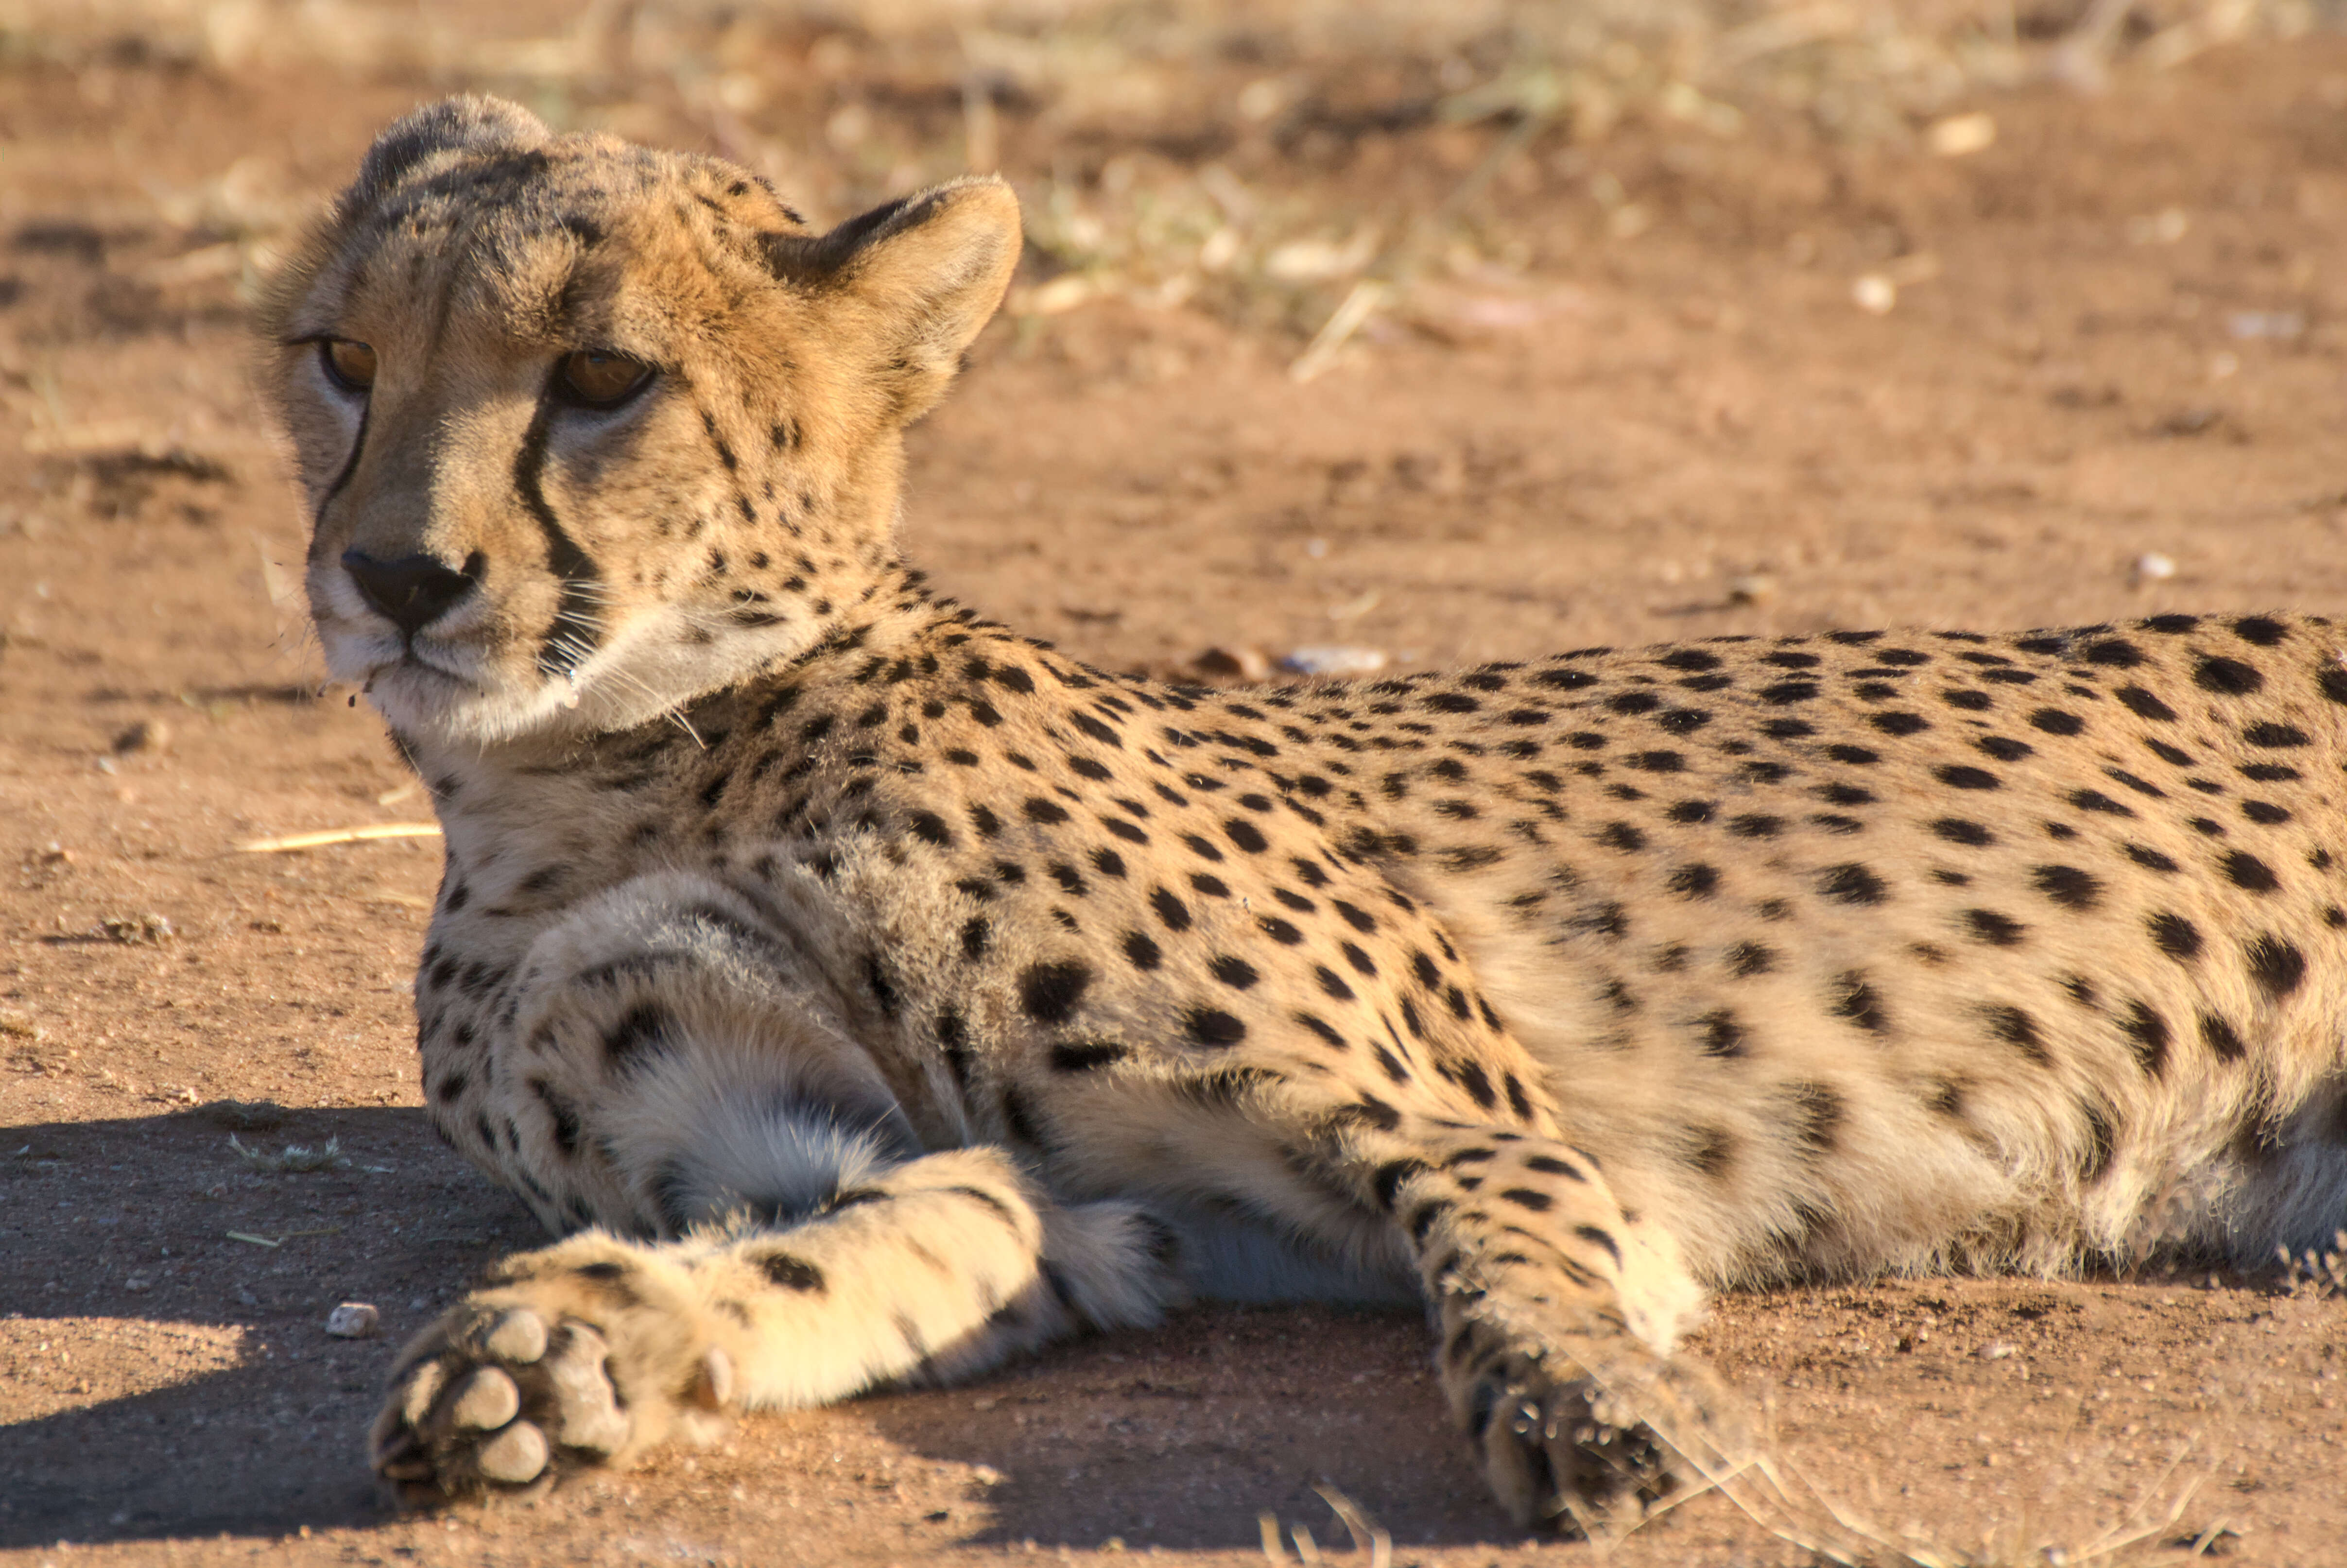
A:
(486, 1400)
(517, 1338)
(514, 1455)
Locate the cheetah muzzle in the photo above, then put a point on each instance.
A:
(868, 994)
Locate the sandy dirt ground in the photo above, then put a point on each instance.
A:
(2119, 332)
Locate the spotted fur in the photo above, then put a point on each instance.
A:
(870, 992)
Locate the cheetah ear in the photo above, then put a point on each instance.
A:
(469, 124)
(923, 274)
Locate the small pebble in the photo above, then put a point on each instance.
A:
(1753, 588)
(2153, 567)
(1874, 294)
(2282, 325)
(146, 735)
(1334, 658)
(1962, 133)
(1233, 665)
(1995, 1350)
(354, 1320)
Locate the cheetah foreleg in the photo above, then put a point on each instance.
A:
(1559, 1320)
(597, 1349)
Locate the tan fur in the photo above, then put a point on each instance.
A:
(874, 993)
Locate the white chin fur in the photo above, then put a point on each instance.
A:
(445, 693)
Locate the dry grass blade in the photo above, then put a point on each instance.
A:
(296, 1159)
(323, 837)
(1348, 318)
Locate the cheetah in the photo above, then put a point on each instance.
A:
(864, 994)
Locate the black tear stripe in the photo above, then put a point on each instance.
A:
(350, 467)
(575, 630)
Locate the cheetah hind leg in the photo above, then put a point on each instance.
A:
(1560, 1316)
(1585, 1431)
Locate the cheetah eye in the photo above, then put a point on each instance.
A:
(597, 378)
(349, 365)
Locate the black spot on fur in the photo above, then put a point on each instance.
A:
(1852, 884)
(2068, 887)
(2143, 704)
(2176, 937)
(2219, 1037)
(1723, 1035)
(640, 1032)
(1857, 1001)
(2278, 967)
(1210, 1026)
(2018, 1030)
(792, 1272)
(1697, 881)
(2227, 677)
(2148, 1033)
(1820, 1110)
(1237, 973)
(2096, 801)
(1050, 993)
(2118, 654)
(1387, 1181)
(1997, 930)
(2246, 871)
(1084, 1056)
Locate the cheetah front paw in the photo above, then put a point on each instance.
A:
(1569, 1450)
(500, 1396)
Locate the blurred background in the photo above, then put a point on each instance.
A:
(1253, 162)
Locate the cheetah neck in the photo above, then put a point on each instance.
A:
(507, 784)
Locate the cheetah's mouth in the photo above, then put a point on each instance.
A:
(411, 662)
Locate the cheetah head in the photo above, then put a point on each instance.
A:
(585, 430)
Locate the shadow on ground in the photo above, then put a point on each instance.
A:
(204, 1396)
(202, 1393)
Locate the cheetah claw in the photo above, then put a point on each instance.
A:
(496, 1400)
(1578, 1456)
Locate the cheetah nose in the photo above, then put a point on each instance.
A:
(413, 590)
